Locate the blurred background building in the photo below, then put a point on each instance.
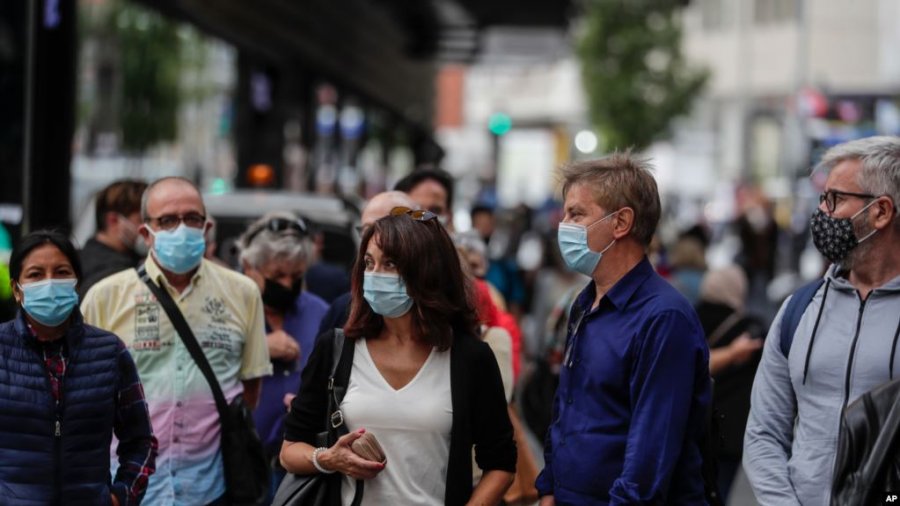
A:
(321, 104)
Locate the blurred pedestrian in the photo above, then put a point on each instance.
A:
(735, 340)
(209, 236)
(378, 206)
(412, 341)
(274, 255)
(758, 234)
(326, 279)
(431, 189)
(472, 250)
(116, 245)
(224, 311)
(483, 221)
(841, 340)
(67, 389)
(687, 261)
(631, 407)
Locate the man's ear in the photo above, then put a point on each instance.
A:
(885, 212)
(144, 230)
(623, 222)
(110, 219)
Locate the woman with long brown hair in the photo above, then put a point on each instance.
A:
(420, 379)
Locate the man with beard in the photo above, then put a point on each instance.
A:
(846, 339)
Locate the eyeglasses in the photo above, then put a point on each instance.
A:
(416, 214)
(170, 221)
(278, 225)
(830, 198)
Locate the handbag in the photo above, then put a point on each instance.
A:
(868, 456)
(243, 455)
(318, 489)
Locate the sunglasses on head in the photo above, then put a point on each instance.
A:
(279, 225)
(416, 214)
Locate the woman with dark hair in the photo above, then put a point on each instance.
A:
(68, 387)
(420, 379)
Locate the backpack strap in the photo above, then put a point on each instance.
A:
(790, 320)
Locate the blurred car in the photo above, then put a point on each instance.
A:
(331, 216)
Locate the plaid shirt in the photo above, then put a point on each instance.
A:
(55, 362)
(137, 454)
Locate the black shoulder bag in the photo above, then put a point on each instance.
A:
(322, 489)
(868, 455)
(246, 466)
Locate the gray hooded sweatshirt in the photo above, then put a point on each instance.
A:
(791, 439)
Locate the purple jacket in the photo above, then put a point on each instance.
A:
(302, 323)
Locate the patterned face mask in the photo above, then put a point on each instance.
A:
(834, 237)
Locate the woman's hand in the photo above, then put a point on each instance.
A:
(341, 458)
(743, 348)
(739, 351)
(282, 346)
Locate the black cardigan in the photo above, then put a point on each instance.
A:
(480, 417)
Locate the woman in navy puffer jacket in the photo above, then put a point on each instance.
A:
(65, 388)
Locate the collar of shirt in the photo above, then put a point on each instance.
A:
(621, 292)
(156, 274)
(26, 330)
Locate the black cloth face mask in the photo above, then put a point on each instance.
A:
(835, 237)
(280, 298)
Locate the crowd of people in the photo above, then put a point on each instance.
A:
(648, 383)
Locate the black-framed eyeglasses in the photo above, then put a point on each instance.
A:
(416, 214)
(830, 198)
(171, 221)
(279, 225)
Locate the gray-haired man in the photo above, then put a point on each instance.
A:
(845, 341)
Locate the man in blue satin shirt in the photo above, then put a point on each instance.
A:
(634, 389)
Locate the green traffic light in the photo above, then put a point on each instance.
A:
(499, 123)
(219, 186)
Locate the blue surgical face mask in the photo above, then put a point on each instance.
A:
(386, 294)
(179, 250)
(51, 301)
(573, 244)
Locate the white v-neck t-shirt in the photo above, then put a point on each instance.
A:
(412, 426)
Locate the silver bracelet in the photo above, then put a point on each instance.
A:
(315, 461)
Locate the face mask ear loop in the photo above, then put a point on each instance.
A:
(598, 221)
(873, 232)
(610, 246)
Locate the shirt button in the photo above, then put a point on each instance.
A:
(176, 439)
(178, 404)
(569, 400)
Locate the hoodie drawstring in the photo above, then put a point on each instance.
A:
(815, 330)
